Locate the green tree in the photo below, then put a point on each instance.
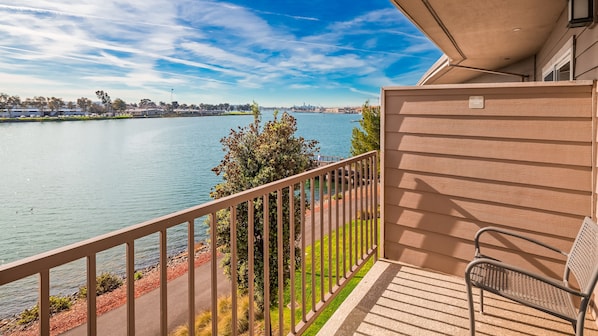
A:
(119, 105)
(367, 137)
(105, 98)
(4, 97)
(84, 103)
(145, 103)
(254, 157)
(13, 101)
(55, 104)
(40, 102)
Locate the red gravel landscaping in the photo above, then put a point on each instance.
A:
(77, 315)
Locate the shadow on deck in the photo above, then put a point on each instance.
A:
(394, 299)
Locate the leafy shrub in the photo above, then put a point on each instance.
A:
(105, 283)
(138, 275)
(57, 304)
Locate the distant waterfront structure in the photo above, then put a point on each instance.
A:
(147, 108)
(20, 112)
(319, 109)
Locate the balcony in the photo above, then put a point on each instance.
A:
(454, 159)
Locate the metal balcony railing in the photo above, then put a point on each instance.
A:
(338, 200)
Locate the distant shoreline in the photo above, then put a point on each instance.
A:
(88, 118)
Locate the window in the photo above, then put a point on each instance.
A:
(559, 67)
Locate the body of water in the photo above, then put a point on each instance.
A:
(64, 182)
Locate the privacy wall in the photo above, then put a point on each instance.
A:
(461, 157)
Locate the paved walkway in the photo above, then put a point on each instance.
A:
(147, 307)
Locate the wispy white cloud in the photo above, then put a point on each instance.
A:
(202, 46)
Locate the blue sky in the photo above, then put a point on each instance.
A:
(278, 53)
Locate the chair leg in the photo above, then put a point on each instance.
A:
(471, 310)
(481, 301)
(578, 327)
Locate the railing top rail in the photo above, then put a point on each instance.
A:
(32, 265)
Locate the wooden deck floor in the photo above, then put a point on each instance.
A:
(395, 299)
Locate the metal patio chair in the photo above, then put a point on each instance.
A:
(553, 296)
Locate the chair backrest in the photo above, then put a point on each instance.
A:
(583, 258)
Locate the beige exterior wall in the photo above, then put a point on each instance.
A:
(585, 51)
(523, 162)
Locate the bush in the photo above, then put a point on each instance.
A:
(105, 283)
(138, 275)
(337, 196)
(203, 321)
(255, 156)
(57, 304)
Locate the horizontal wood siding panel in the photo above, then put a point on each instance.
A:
(484, 127)
(484, 214)
(443, 263)
(587, 61)
(462, 249)
(516, 195)
(423, 258)
(577, 178)
(586, 52)
(557, 105)
(523, 162)
(565, 153)
(461, 228)
(590, 74)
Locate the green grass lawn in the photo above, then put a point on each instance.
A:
(328, 271)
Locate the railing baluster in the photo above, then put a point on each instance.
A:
(321, 202)
(130, 265)
(355, 206)
(368, 202)
(44, 302)
(373, 189)
(251, 254)
(233, 269)
(330, 268)
(367, 205)
(361, 208)
(312, 186)
(92, 320)
(359, 199)
(292, 247)
(163, 283)
(190, 276)
(344, 222)
(267, 321)
(303, 282)
(376, 207)
(350, 223)
(371, 202)
(214, 270)
(279, 247)
(336, 227)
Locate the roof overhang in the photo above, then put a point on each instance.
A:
(481, 35)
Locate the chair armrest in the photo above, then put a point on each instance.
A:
(511, 268)
(512, 234)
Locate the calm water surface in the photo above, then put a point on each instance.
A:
(63, 182)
